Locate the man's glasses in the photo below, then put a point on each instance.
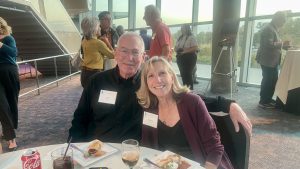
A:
(133, 52)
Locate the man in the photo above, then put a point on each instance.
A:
(269, 57)
(161, 42)
(108, 108)
(146, 38)
(106, 29)
(120, 30)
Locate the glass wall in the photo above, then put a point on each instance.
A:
(175, 13)
(120, 11)
(102, 5)
(269, 7)
(140, 9)
(205, 10)
(261, 12)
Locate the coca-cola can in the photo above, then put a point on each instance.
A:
(31, 159)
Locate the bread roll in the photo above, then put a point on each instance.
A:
(95, 148)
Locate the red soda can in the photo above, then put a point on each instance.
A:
(31, 159)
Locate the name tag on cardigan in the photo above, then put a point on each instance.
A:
(107, 96)
(150, 119)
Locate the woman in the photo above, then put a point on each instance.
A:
(93, 49)
(9, 85)
(186, 53)
(184, 125)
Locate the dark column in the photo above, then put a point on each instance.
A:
(223, 10)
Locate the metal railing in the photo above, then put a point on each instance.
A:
(38, 87)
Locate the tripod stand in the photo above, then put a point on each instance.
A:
(231, 72)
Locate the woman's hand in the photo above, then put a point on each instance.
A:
(1, 44)
(237, 115)
(106, 41)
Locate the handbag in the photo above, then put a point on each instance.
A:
(76, 60)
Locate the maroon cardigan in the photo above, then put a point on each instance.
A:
(200, 131)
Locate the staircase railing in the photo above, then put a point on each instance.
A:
(57, 79)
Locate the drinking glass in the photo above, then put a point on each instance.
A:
(130, 152)
(59, 162)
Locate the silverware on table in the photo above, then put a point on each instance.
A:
(146, 160)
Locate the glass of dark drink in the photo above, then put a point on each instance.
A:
(61, 162)
(130, 152)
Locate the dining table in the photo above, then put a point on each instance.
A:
(12, 160)
(288, 84)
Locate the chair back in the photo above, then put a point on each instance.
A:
(236, 144)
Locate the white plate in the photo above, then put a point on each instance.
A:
(78, 156)
(163, 155)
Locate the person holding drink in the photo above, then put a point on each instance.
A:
(183, 124)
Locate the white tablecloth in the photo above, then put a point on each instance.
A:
(289, 77)
(12, 160)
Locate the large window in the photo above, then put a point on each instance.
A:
(254, 70)
(101, 5)
(243, 8)
(176, 11)
(205, 10)
(120, 12)
(269, 7)
(140, 9)
(204, 39)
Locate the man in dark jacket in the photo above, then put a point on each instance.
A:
(269, 56)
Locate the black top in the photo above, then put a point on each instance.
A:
(108, 122)
(173, 139)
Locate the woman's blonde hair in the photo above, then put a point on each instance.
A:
(4, 28)
(148, 100)
(90, 27)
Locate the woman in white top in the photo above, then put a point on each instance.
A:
(186, 53)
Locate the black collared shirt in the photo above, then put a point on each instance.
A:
(108, 122)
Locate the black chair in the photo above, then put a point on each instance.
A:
(235, 144)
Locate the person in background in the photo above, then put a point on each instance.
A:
(146, 38)
(183, 124)
(106, 29)
(269, 57)
(161, 42)
(9, 85)
(120, 30)
(108, 108)
(195, 75)
(186, 53)
(93, 49)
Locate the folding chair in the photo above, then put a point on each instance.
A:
(235, 144)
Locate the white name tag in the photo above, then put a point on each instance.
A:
(108, 97)
(150, 119)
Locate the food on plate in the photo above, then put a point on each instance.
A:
(94, 148)
(173, 161)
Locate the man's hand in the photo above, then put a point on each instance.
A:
(237, 115)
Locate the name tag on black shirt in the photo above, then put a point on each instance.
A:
(107, 96)
(150, 119)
